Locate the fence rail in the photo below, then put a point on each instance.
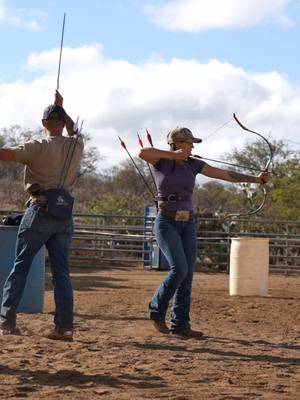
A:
(129, 239)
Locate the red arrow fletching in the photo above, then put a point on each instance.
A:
(149, 138)
(140, 141)
(122, 143)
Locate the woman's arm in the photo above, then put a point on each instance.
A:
(232, 176)
(153, 155)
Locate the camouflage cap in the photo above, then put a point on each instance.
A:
(54, 112)
(182, 135)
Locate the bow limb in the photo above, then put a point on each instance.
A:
(267, 166)
(251, 212)
(265, 169)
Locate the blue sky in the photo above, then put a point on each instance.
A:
(131, 64)
(126, 32)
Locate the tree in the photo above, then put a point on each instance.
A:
(256, 154)
(91, 157)
(12, 196)
(12, 137)
(16, 135)
(125, 178)
(283, 200)
(285, 195)
(216, 198)
(123, 189)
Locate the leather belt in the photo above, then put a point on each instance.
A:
(173, 197)
(39, 198)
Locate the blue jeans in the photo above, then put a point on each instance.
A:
(177, 241)
(36, 229)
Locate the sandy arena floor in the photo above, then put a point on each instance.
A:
(251, 348)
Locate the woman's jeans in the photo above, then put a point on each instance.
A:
(177, 241)
(36, 229)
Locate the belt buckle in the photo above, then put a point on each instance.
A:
(172, 198)
(182, 215)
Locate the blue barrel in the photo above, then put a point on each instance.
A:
(33, 296)
(153, 257)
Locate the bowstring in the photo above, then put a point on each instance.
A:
(264, 191)
(216, 130)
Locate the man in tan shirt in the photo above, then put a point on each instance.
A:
(51, 166)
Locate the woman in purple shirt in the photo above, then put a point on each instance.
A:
(174, 228)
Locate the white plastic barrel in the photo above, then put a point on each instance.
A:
(249, 266)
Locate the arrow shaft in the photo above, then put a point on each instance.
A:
(224, 162)
(60, 53)
(150, 170)
(137, 168)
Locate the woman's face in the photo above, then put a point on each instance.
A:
(184, 146)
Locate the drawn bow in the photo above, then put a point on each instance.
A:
(265, 169)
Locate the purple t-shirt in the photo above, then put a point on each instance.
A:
(171, 178)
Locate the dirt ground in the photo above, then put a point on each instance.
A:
(250, 351)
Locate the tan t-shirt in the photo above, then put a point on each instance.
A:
(46, 159)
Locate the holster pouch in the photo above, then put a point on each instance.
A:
(59, 203)
(14, 220)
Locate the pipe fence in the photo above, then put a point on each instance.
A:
(127, 240)
(101, 240)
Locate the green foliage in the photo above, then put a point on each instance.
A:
(283, 198)
(126, 181)
(120, 190)
(286, 191)
(256, 154)
(117, 205)
(113, 205)
(214, 197)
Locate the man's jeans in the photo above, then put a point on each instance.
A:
(36, 229)
(177, 241)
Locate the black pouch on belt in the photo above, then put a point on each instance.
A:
(12, 219)
(59, 203)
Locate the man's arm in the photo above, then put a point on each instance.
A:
(7, 155)
(69, 122)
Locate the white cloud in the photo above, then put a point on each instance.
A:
(115, 97)
(7, 17)
(203, 15)
(32, 20)
(36, 21)
(77, 59)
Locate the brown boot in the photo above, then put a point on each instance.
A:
(160, 326)
(10, 331)
(66, 336)
(187, 332)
